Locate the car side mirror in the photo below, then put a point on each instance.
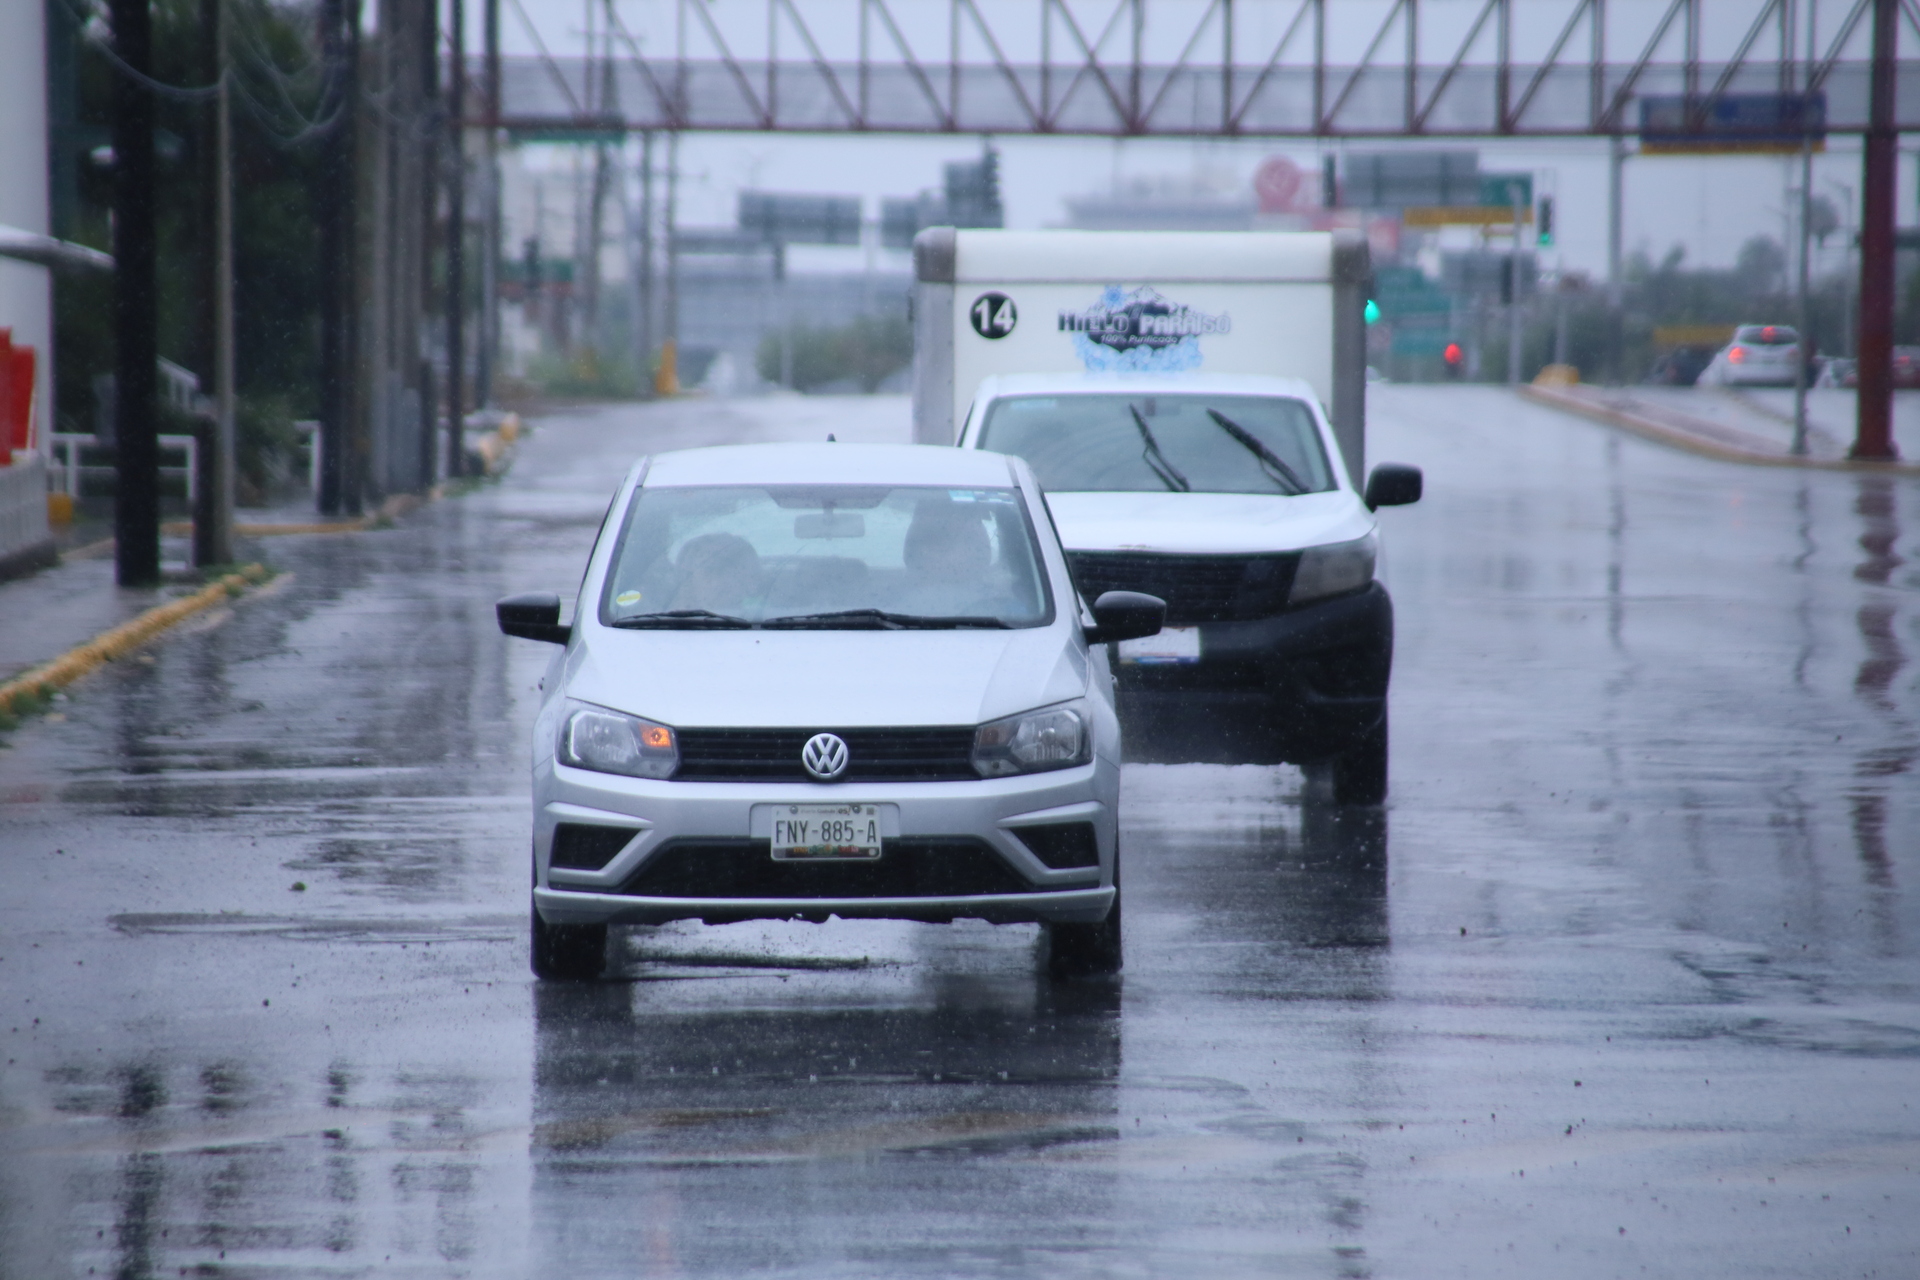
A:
(1393, 484)
(1126, 615)
(535, 616)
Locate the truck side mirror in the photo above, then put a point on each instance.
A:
(1393, 484)
(535, 616)
(1126, 615)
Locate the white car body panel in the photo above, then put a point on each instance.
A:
(827, 679)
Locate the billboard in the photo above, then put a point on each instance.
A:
(1732, 123)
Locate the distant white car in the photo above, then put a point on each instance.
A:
(813, 680)
(1760, 355)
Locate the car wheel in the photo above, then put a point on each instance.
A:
(568, 952)
(1076, 949)
(1357, 776)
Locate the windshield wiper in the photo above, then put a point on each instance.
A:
(683, 618)
(1157, 461)
(881, 619)
(1270, 462)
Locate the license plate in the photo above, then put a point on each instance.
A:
(819, 832)
(1173, 644)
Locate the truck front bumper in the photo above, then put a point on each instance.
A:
(1299, 686)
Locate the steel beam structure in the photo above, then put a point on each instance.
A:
(1192, 68)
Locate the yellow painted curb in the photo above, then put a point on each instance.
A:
(126, 637)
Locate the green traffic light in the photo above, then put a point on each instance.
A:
(1372, 313)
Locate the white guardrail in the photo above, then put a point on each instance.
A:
(65, 446)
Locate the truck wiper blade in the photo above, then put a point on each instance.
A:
(1157, 461)
(681, 618)
(1269, 461)
(883, 619)
(877, 618)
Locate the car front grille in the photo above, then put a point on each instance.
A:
(926, 867)
(873, 755)
(1196, 588)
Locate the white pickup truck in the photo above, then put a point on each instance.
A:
(1173, 468)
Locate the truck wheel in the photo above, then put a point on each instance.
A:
(568, 952)
(1074, 949)
(1359, 775)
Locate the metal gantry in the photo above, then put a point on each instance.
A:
(1191, 68)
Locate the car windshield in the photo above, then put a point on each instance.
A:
(1160, 443)
(1766, 335)
(841, 556)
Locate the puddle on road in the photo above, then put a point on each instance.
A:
(465, 929)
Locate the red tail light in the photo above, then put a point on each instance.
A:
(1736, 354)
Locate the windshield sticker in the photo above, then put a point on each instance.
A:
(1140, 332)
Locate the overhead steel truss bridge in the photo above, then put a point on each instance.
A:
(1184, 68)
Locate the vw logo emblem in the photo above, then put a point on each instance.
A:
(825, 756)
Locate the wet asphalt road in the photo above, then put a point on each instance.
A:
(1621, 983)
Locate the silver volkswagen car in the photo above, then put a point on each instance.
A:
(813, 680)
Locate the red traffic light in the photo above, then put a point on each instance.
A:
(1453, 354)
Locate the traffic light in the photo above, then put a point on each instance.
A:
(1372, 312)
(1456, 359)
(1545, 222)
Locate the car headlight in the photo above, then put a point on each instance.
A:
(1336, 567)
(612, 742)
(1032, 742)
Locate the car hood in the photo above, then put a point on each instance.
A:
(831, 679)
(1203, 523)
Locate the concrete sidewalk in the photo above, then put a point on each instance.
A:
(1737, 425)
(47, 613)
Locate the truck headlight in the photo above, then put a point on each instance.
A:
(612, 742)
(1032, 742)
(1336, 567)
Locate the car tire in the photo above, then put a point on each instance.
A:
(568, 952)
(1074, 950)
(1358, 776)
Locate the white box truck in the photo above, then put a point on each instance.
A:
(1194, 405)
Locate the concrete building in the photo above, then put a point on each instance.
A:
(26, 289)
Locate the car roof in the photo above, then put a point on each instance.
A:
(1245, 384)
(830, 463)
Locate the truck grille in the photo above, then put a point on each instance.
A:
(873, 755)
(1196, 588)
(937, 867)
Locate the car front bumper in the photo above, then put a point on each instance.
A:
(681, 827)
(1302, 685)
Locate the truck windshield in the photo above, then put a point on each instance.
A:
(1162, 443)
(844, 557)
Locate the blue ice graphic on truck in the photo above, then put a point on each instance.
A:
(1140, 331)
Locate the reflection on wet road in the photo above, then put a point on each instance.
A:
(1622, 982)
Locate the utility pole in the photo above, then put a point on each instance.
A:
(136, 506)
(341, 457)
(644, 329)
(456, 304)
(489, 352)
(213, 329)
(1802, 316)
(219, 542)
(1873, 428)
(667, 381)
(1513, 291)
(1616, 287)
